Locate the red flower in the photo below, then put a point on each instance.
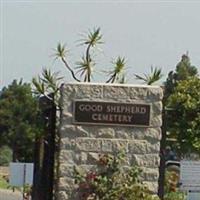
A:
(91, 176)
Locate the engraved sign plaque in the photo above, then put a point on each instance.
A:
(111, 113)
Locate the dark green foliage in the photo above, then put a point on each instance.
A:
(183, 71)
(175, 196)
(186, 126)
(5, 156)
(19, 122)
(181, 102)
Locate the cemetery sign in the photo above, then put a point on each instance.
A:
(111, 113)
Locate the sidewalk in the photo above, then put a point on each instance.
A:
(9, 195)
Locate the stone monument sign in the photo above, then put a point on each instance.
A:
(107, 118)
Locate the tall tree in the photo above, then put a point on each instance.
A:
(18, 120)
(185, 123)
(183, 71)
(185, 75)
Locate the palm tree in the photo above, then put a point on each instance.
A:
(154, 76)
(117, 74)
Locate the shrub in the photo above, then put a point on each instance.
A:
(5, 156)
(171, 181)
(175, 196)
(171, 187)
(110, 181)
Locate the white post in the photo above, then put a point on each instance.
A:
(24, 180)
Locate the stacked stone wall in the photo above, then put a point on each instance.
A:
(81, 144)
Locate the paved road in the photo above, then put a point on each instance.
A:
(9, 195)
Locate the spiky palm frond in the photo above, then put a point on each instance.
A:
(47, 83)
(39, 86)
(52, 80)
(61, 51)
(154, 76)
(119, 67)
(85, 68)
(93, 38)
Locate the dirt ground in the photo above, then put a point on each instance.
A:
(4, 171)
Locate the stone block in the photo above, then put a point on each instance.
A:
(83, 157)
(89, 91)
(68, 92)
(107, 146)
(67, 143)
(106, 133)
(66, 170)
(71, 156)
(115, 92)
(153, 135)
(62, 195)
(88, 144)
(138, 133)
(156, 120)
(120, 146)
(150, 174)
(138, 147)
(157, 107)
(66, 184)
(138, 93)
(73, 131)
(146, 160)
(93, 158)
(123, 134)
(155, 93)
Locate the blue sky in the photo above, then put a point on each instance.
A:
(145, 32)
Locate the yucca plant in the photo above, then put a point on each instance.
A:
(85, 66)
(117, 74)
(61, 52)
(47, 83)
(154, 76)
(85, 69)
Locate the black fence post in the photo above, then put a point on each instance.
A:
(45, 153)
(162, 157)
